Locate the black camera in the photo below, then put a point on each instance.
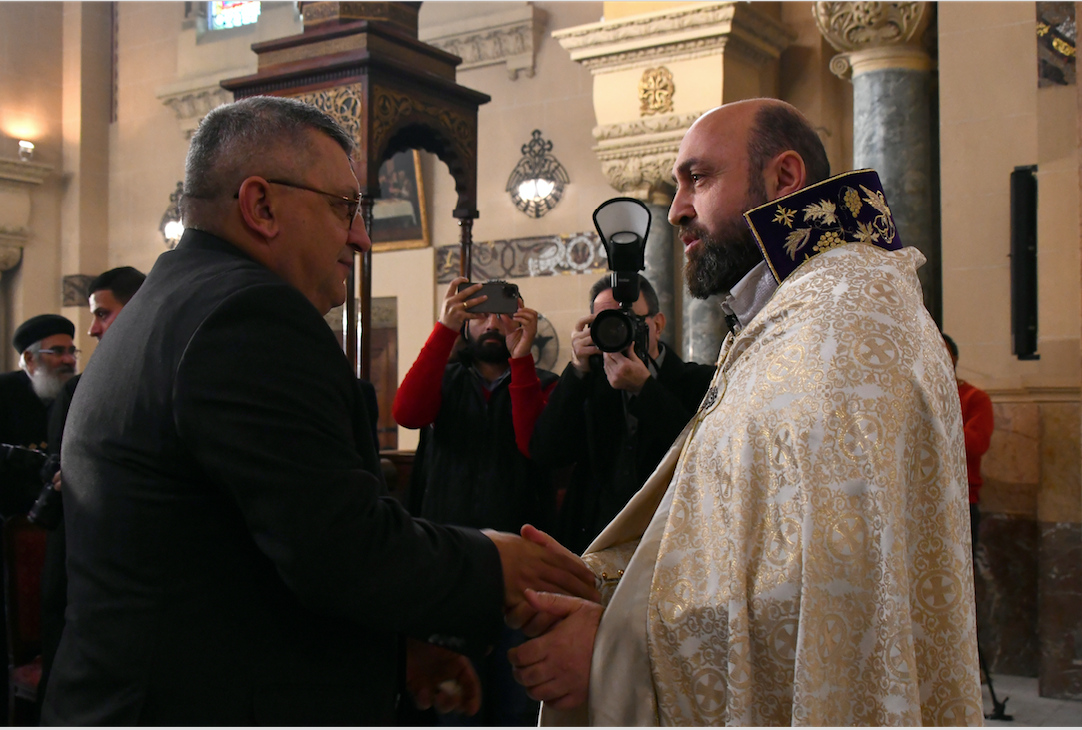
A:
(26, 479)
(623, 224)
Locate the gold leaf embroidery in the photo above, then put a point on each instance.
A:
(876, 200)
(784, 216)
(796, 241)
(821, 211)
(865, 233)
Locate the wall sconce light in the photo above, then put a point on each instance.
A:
(537, 182)
(172, 227)
(26, 150)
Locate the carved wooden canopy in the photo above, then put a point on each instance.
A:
(392, 93)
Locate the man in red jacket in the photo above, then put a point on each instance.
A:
(473, 465)
(978, 422)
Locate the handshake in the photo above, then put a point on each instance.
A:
(549, 594)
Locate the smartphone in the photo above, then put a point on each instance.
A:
(502, 297)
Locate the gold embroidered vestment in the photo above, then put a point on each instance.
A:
(810, 560)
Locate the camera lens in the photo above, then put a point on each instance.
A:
(612, 331)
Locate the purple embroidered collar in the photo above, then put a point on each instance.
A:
(847, 208)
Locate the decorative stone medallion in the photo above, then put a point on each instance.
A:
(656, 90)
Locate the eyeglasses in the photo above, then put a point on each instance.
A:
(352, 204)
(61, 351)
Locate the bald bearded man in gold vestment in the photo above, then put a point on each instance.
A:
(801, 556)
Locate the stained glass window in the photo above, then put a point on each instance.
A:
(224, 14)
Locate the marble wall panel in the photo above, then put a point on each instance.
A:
(1060, 496)
(1005, 584)
(1059, 598)
(1029, 563)
(1012, 466)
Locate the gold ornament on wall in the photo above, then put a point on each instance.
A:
(656, 90)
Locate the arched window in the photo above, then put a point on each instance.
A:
(222, 14)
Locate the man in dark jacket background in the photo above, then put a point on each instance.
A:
(108, 293)
(231, 557)
(473, 466)
(47, 360)
(614, 417)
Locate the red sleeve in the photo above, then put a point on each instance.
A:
(527, 400)
(977, 421)
(417, 402)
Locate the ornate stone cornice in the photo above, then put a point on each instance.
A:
(637, 157)
(486, 40)
(874, 36)
(192, 99)
(23, 172)
(647, 125)
(675, 35)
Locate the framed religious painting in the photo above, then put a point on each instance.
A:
(399, 218)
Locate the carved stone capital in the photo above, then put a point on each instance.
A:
(874, 36)
(679, 34)
(637, 157)
(486, 40)
(191, 100)
(10, 254)
(16, 177)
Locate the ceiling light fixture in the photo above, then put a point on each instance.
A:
(537, 182)
(172, 227)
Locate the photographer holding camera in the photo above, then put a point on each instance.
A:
(472, 467)
(614, 416)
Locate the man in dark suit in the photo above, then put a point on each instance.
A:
(614, 417)
(231, 557)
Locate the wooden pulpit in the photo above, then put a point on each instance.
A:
(361, 63)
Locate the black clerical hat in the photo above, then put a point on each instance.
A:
(38, 328)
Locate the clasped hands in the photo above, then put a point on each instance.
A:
(531, 563)
(554, 667)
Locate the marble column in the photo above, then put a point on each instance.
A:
(659, 265)
(892, 126)
(704, 328)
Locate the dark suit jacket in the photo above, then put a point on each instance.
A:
(585, 424)
(23, 417)
(23, 422)
(230, 557)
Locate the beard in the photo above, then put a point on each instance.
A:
(47, 383)
(489, 347)
(725, 256)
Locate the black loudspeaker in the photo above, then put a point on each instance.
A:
(1024, 263)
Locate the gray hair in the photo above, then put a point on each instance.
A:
(34, 350)
(248, 138)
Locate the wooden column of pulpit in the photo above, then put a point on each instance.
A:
(361, 63)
